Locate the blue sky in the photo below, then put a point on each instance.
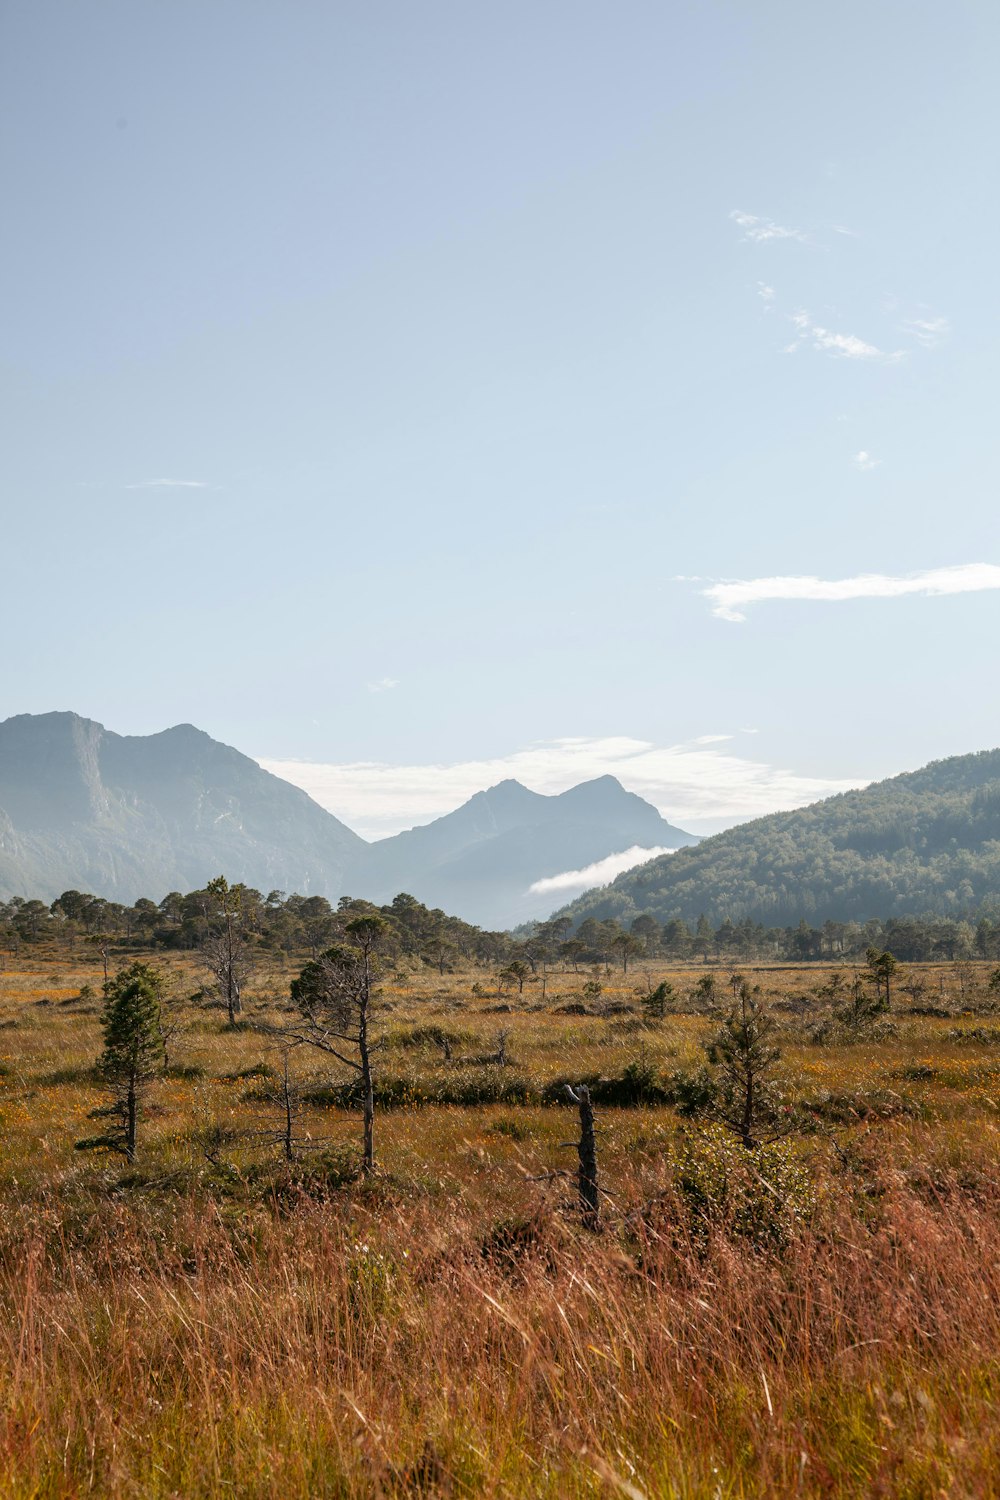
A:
(392, 388)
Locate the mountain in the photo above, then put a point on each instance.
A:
(481, 860)
(125, 816)
(926, 841)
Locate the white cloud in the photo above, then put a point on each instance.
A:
(759, 229)
(172, 484)
(694, 786)
(602, 872)
(840, 345)
(864, 460)
(729, 599)
(383, 685)
(927, 331)
(766, 294)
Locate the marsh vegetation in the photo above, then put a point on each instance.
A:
(240, 1309)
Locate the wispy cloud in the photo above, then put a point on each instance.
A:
(697, 787)
(383, 685)
(766, 294)
(172, 484)
(840, 345)
(864, 460)
(729, 599)
(601, 872)
(759, 229)
(927, 331)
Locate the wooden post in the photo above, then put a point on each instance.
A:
(587, 1152)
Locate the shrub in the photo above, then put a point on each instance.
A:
(694, 1092)
(638, 1083)
(512, 1129)
(261, 1070)
(512, 1240)
(428, 1036)
(320, 1175)
(478, 1084)
(762, 1196)
(80, 1074)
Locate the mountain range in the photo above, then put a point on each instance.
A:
(481, 860)
(127, 815)
(925, 842)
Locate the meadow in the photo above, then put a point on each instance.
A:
(821, 1318)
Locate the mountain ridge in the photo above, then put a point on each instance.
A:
(75, 798)
(123, 815)
(442, 865)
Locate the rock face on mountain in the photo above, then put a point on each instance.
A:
(926, 841)
(480, 861)
(128, 816)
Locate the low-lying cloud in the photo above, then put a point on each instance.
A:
(729, 599)
(699, 787)
(601, 872)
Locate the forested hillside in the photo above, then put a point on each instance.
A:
(926, 841)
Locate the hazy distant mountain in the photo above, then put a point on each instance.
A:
(128, 816)
(926, 841)
(480, 861)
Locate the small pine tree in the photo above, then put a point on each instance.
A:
(656, 1002)
(706, 990)
(744, 1054)
(881, 966)
(133, 1045)
(861, 1008)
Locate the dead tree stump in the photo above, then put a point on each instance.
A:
(586, 1149)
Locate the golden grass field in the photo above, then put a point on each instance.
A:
(212, 1321)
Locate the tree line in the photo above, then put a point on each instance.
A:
(229, 923)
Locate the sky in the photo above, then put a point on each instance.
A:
(415, 395)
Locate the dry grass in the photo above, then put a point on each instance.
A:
(203, 1328)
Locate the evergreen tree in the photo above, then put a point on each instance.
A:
(744, 1054)
(655, 1002)
(881, 966)
(133, 1044)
